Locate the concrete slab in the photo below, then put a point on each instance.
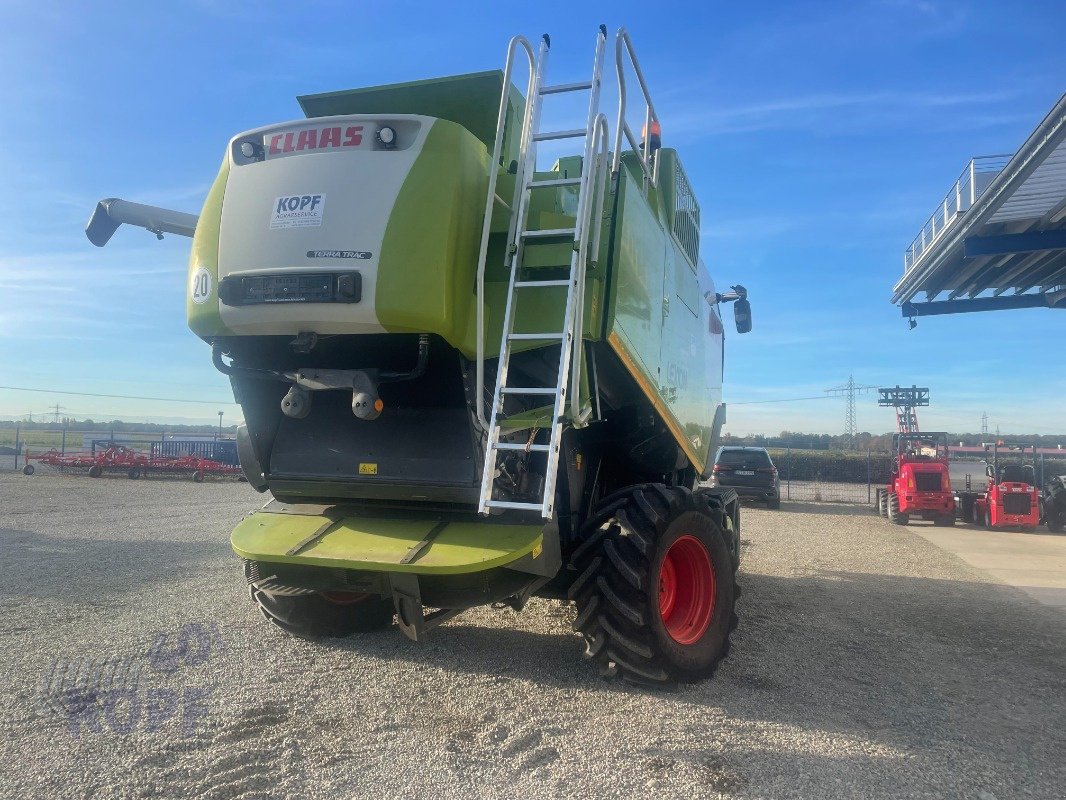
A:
(1032, 562)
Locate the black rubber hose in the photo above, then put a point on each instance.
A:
(244, 372)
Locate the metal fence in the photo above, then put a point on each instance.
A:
(828, 476)
(852, 477)
(17, 443)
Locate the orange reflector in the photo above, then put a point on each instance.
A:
(378, 405)
(656, 129)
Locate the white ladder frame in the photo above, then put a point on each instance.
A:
(596, 136)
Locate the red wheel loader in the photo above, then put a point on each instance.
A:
(920, 485)
(1011, 498)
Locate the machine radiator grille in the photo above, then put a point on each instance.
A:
(1017, 503)
(927, 481)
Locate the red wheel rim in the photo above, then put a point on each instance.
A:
(686, 590)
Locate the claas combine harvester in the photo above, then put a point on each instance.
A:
(468, 378)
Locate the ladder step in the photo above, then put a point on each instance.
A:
(530, 390)
(548, 136)
(517, 506)
(553, 182)
(548, 233)
(559, 88)
(534, 337)
(534, 448)
(529, 284)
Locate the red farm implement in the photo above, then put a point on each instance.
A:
(134, 463)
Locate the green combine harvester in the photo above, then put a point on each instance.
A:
(467, 380)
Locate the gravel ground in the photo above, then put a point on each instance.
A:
(868, 663)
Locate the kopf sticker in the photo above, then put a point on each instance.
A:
(297, 211)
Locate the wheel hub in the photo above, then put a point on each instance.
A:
(687, 589)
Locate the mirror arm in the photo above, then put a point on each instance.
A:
(738, 293)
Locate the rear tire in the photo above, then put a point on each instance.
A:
(314, 615)
(133, 473)
(28, 469)
(198, 476)
(894, 515)
(95, 471)
(1055, 505)
(773, 503)
(654, 586)
(988, 519)
(883, 504)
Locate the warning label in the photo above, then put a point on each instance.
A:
(297, 211)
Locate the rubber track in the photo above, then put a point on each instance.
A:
(612, 566)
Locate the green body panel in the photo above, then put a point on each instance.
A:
(379, 544)
(658, 321)
(428, 261)
(471, 100)
(204, 319)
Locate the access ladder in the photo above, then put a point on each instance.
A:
(590, 195)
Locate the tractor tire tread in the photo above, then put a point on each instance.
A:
(614, 564)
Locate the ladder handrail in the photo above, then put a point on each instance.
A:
(589, 207)
(649, 163)
(490, 199)
(593, 217)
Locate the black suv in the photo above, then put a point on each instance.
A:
(750, 471)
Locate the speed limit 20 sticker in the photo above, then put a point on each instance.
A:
(200, 288)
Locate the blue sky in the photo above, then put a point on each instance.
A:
(818, 138)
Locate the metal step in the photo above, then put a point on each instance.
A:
(535, 337)
(529, 390)
(516, 506)
(559, 88)
(533, 448)
(549, 233)
(548, 136)
(530, 284)
(553, 182)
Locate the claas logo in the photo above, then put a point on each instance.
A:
(332, 138)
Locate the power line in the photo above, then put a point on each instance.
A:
(782, 400)
(119, 396)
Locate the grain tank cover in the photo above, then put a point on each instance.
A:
(470, 100)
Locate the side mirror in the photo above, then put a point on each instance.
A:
(742, 315)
